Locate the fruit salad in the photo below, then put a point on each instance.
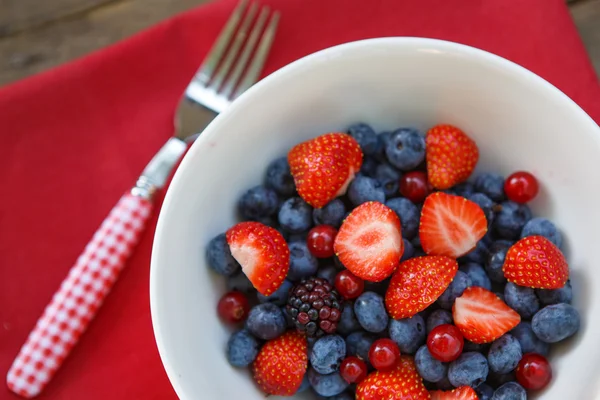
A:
(377, 266)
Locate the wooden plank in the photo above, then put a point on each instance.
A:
(586, 14)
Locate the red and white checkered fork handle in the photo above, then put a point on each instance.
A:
(80, 296)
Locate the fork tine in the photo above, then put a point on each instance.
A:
(260, 57)
(213, 57)
(232, 53)
(246, 52)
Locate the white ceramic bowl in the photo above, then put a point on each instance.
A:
(518, 120)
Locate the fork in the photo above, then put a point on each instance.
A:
(232, 65)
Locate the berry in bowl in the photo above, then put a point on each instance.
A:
(392, 217)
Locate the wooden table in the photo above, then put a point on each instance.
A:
(39, 34)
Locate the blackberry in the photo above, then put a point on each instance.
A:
(315, 307)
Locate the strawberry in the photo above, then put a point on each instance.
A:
(483, 317)
(460, 393)
(262, 252)
(536, 262)
(450, 225)
(369, 242)
(417, 283)
(281, 364)
(402, 383)
(451, 156)
(324, 166)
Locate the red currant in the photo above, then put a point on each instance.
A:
(521, 187)
(349, 285)
(384, 354)
(233, 307)
(534, 371)
(353, 369)
(320, 241)
(414, 186)
(445, 342)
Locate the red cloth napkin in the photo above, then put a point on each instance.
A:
(72, 140)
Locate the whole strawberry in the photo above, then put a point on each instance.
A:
(324, 166)
(536, 262)
(263, 254)
(451, 156)
(403, 383)
(281, 364)
(417, 283)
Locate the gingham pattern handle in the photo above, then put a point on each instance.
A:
(80, 296)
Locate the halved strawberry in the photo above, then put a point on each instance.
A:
(450, 225)
(281, 364)
(324, 166)
(402, 383)
(483, 317)
(262, 252)
(460, 393)
(536, 262)
(417, 283)
(451, 156)
(369, 242)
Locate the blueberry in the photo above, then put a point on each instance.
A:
(555, 296)
(510, 391)
(496, 379)
(278, 297)
(477, 274)
(510, 219)
(242, 349)
(528, 341)
(492, 185)
(304, 385)
(409, 250)
(240, 282)
(444, 384)
(428, 367)
(486, 204)
(326, 385)
(470, 369)
(409, 216)
(370, 312)
(388, 177)
(496, 261)
(366, 138)
(295, 215)
(369, 166)
(348, 322)
(408, 333)
(331, 214)
(219, 258)
(328, 273)
(405, 149)
(258, 202)
(302, 263)
(555, 322)
(266, 321)
(288, 318)
(279, 177)
(542, 227)
(327, 354)
(437, 318)
(478, 255)
(363, 189)
(504, 355)
(455, 289)
(484, 392)
(521, 299)
(359, 343)
(465, 189)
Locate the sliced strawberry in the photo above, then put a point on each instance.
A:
(536, 262)
(403, 383)
(369, 242)
(281, 364)
(450, 225)
(324, 166)
(262, 252)
(483, 317)
(451, 156)
(417, 283)
(460, 393)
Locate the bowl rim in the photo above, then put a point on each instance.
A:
(419, 44)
